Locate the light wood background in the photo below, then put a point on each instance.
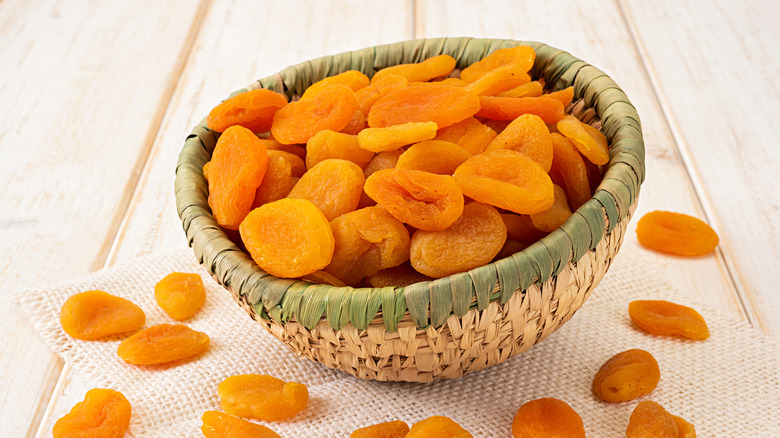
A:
(96, 98)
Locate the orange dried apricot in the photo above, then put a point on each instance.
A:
(497, 126)
(522, 56)
(399, 276)
(381, 161)
(434, 156)
(660, 317)
(510, 108)
(626, 376)
(96, 314)
(434, 67)
(442, 104)
(356, 124)
(273, 145)
(651, 420)
(676, 233)
(329, 144)
(104, 413)
(332, 108)
(529, 135)
(531, 89)
(390, 429)
(545, 418)
(569, 167)
(421, 199)
(437, 427)
(253, 110)
(589, 141)
(180, 294)
(333, 185)
(297, 165)
(554, 216)
(163, 343)
(684, 428)
(470, 134)
(472, 241)
(454, 82)
(520, 228)
(288, 238)
(498, 80)
(367, 241)
(237, 168)
(206, 170)
(277, 182)
(565, 95)
(379, 88)
(394, 137)
(262, 397)
(351, 78)
(221, 425)
(506, 179)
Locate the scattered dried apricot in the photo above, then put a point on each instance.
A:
(104, 413)
(253, 110)
(545, 418)
(180, 294)
(262, 397)
(626, 376)
(676, 233)
(651, 420)
(221, 425)
(659, 317)
(163, 343)
(391, 429)
(332, 108)
(437, 427)
(96, 314)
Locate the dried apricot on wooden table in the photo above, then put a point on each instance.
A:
(442, 104)
(96, 314)
(163, 343)
(253, 110)
(262, 397)
(437, 427)
(221, 425)
(390, 429)
(288, 238)
(651, 420)
(676, 233)
(659, 317)
(546, 418)
(331, 108)
(104, 413)
(626, 376)
(180, 294)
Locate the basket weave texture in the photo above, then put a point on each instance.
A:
(454, 325)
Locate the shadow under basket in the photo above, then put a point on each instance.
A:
(448, 327)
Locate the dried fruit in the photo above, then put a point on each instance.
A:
(676, 233)
(253, 110)
(351, 78)
(163, 343)
(104, 413)
(382, 161)
(329, 144)
(684, 428)
(220, 425)
(237, 168)
(437, 427)
(498, 80)
(96, 314)
(273, 145)
(564, 96)
(651, 420)
(569, 167)
(529, 135)
(394, 137)
(659, 317)
(331, 108)
(277, 182)
(334, 186)
(520, 228)
(506, 179)
(420, 199)
(288, 238)
(554, 216)
(510, 247)
(472, 241)
(434, 156)
(399, 276)
(510, 108)
(589, 141)
(531, 89)
(545, 418)
(434, 67)
(297, 165)
(180, 294)
(379, 88)
(626, 376)
(391, 429)
(442, 104)
(262, 397)
(522, 56)
(470, 134)
(356, 124)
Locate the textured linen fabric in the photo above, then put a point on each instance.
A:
(727, 385)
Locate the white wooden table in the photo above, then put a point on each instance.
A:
(97, 97)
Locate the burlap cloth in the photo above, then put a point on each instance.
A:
(727, 386)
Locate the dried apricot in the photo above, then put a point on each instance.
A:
(391, 429)
(420, 199)
(351, 78)
(163, 343)
(277, 182)
(659, 317)
(262, 397)
(96, 314)
(520, 228)
(288, 238)
(684, 428)
(442, 104)
(356, 124)
(273, 145)
(498, 80)
(332, 108)
(651, 420)
(437, 427)
(589, 141)
(434, 67)
(508, 180)
(510, 108)
(379, 88)
(510, 247)
(399, 276)
(529, 135)
(221, 425)
(545, 418)
(626, 376)
(676, 233)
(237, 168)
(522, 56)
(554, 216)
(564, 96)
(333, 185)
(329, 144)
(104, 413)
(381, 161)
(394, 137)
(472, 241)
(297, 165)
(434, 156)
(531, 89)
(253, 110)
(180, 294)
(569, 167)
(470, 134)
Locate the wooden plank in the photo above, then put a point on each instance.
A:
(84, 88)
(231, 51)
(714, 66)
(595, 32)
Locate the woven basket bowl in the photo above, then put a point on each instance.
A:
(454, 325)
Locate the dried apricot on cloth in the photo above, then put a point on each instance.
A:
(332, 108)
(104, 413)
(262, 397)
(651, 420)
(333, 185)
(676, 233)
(437, 427)
(180, 294)
(96, 314)
(442, 104)
(547, 417)
(221, 425)
(390, 429)
(659, 317)
(254, 110)
(589, 141)
(163, 343)
(626, 376)
(288, 238)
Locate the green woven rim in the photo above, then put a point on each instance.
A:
(428, 303)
